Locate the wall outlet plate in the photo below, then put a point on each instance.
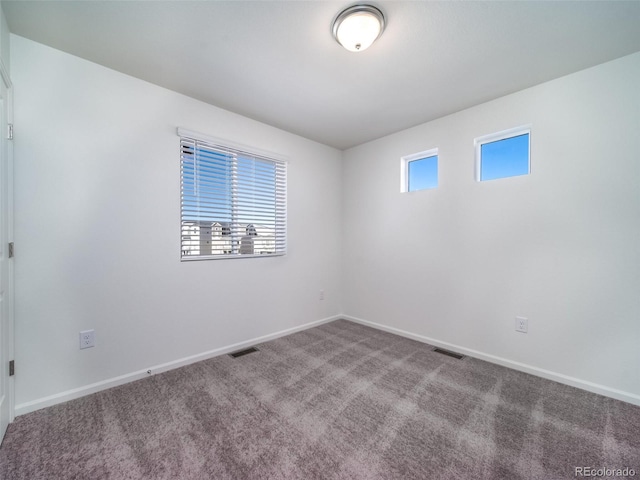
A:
(87, 339)
(522, 324)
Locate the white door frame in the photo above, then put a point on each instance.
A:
(7, 346)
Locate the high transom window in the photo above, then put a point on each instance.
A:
(419, 171)
(503, 154)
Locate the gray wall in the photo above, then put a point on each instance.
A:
(97, 228)
(97, 218)
(560, 246)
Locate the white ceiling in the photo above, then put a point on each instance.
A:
(276, 61)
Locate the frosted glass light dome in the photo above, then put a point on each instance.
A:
(357, 27)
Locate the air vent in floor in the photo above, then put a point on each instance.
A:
(448, 353)
(241, 353)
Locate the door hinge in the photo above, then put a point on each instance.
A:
(10, 249)
(10, 131)
(12, 368)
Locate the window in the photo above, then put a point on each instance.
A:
(419, 171)
(504, 154)
(233, 201)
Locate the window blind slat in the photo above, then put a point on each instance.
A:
(233, 203)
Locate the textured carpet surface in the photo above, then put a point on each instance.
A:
(340, 401)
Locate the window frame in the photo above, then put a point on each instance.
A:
(404, 168)
(280, 197)
(496, 137)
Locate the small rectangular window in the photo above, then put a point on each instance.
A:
(419, 171)
(503, 154)
(233, 202)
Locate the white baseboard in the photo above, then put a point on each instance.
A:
(61, 397)
(37, 404)
(522, 367)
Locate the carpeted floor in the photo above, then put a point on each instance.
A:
(340, 401)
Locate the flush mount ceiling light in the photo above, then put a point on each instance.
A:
(357, 27)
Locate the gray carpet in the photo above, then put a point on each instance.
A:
(340, 401)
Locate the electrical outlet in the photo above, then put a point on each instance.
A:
(522, 324)
(321, 294)
(87, 339)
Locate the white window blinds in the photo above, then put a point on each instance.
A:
(233, 202)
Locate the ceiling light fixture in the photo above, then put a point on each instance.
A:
(357, 27)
